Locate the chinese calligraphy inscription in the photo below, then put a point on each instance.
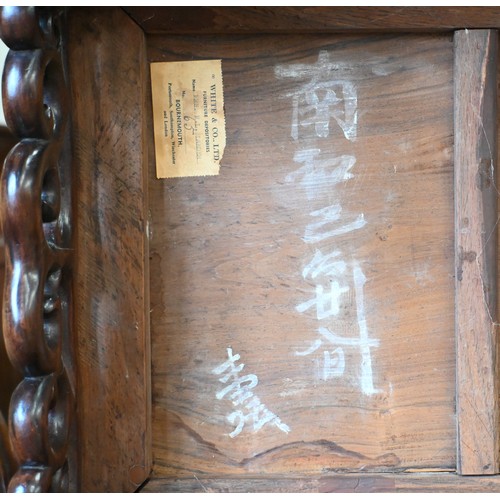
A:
(322, 97)
(248, 407)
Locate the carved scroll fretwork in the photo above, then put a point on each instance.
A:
(35, 214)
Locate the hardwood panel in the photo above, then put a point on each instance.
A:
(108, 72)
(9, 377)
(233, 262)
(224, 20)
(476, 219)
(435, 482)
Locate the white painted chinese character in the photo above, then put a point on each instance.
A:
(365, 343)
(322, 97)
(324, 265)
(326, 302)
(329, 215)
(239, 391)
(317, 172)
(333, 361)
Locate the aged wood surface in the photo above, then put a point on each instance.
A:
(223, 20)
(476, 220)
(108, 74)
(35, 215)
(9, 377)
(8, 463)
(231, 263)
(435, 482)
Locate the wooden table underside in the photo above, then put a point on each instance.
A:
(229, 254)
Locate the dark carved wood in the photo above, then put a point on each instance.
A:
(7, 461)
(36, 228)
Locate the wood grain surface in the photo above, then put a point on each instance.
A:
(229, 256)
(224, 20)
(433, 482)
(476, 220)
(108, 73)
(9, 377)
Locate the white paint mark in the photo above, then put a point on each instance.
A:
(295, 118)
(422, 273)
(228, 364)
(327, 302)
(293, 387)
(333, 363)
(321, 98)
(239, 392)
(325, 265)
(232, 418)
(348, 118)
(330, 215)
(381, 70)
(346, 341)
(391, 197)
(316, 173)
(314, 347)
(303, 71)
(366, 359)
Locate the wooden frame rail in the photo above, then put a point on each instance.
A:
(283, 20)
(476, 220)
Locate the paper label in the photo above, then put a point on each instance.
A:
(188, 116)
